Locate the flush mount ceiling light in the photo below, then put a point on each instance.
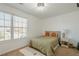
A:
(40, 4)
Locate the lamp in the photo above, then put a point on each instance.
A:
(66, 35)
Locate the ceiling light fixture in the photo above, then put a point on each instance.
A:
(41, 6)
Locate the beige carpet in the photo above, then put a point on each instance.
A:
(27, 51)
(63, 51)
(13, 53)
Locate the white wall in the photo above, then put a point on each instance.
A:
(69, 21)
(33, 29)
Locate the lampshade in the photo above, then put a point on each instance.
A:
(66, 34)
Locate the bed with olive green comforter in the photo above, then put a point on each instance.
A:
(45, 45)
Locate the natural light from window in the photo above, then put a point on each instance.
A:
(12, 27)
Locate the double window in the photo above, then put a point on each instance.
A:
(12, 27)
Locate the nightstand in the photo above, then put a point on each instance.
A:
(66, 44)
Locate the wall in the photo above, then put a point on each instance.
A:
(69, 21)
(33, 29)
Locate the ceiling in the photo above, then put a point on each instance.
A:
(50, 9)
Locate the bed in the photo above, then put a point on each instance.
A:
(46, 43)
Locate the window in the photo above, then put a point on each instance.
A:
(5, 26)
(19, 25)
(1, 27)
(12, 27)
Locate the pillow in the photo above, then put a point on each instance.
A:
(53, 34)
(46, 34)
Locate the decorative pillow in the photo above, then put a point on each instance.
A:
(50, 34)
(45, 34)
(53, 34)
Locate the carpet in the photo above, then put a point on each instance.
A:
(63, 51)
(27, 51)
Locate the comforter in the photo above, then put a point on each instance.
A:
(45, 44)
